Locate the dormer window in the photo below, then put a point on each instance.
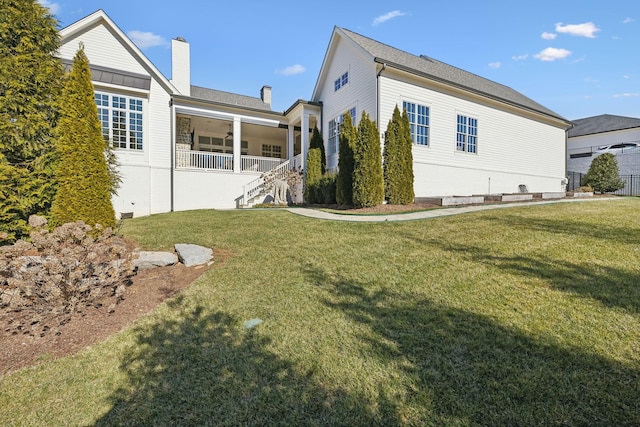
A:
(341, 81)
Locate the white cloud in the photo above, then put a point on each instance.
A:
(144, 39)
(292, 70)
(551, 54)
(495, 65)
(384, 18)
(520, 57)
(54, 8)
(549, 36)
(626, 95)
(628, 21)
(588, 29)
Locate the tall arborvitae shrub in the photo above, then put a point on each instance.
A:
(390, 156)
(405, 194)
(368, 185)
(603, 175)
(318, 142)
(344, 180)
(84, 187)
(313, 175)
(30, 81)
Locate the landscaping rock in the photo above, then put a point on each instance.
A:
(191, 255)
(149, 259)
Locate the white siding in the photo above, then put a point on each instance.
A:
(102, 48)
(208, 190)
(511, 149)
(359, 93)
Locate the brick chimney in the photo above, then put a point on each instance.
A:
(265, 94)
(181, 65)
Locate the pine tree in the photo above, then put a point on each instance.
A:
(603, 175)
(344, 180)
(318, 142)
(30, 82)
(82, 173)
(368, 183)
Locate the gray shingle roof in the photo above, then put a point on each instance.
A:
(602, 123)
(434, 69)
(228, 98)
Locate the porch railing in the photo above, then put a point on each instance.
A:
(256, 186)
(259, 164)
(204, 160)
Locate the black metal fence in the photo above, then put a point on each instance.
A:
(631, 184)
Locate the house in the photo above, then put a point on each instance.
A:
(606, 133)
(183, 147)
(471, 135)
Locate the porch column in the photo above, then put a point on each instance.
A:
(291, 139)
(237, 146)
(304, 139)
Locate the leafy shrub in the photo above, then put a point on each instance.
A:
(327, 190)
(603, 174)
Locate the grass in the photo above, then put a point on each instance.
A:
(519, 316)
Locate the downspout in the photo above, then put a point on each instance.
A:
(384, 65)
(173, 150)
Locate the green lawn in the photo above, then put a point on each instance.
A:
(524, 316)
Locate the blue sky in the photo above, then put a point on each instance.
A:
(579, 58)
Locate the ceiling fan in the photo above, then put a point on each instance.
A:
(229, 132)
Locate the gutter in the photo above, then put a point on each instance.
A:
(384, 66)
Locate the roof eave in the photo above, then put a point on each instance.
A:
(222, 104)
(466, 88)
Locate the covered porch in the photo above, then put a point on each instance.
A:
(238, 143)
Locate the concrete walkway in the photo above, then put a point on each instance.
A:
(433, 213)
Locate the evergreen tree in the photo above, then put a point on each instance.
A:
(406, 194)
(344, 180)
(313, 175)
(368, 183)
(30, 81)
(318, 142)
(82, 173)
(603, 175)
(398, 160)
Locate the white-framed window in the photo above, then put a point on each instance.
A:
(213, 144)
(341, 81)
(271, 151)
(467, 134)
(335, 126)
(121, 118)
(418, 121)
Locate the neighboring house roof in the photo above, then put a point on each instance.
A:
(228, 98)
(439, 71)
(601, 124)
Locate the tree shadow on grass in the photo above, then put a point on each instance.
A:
(205, 369)
(466, 369)
(606, 230)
